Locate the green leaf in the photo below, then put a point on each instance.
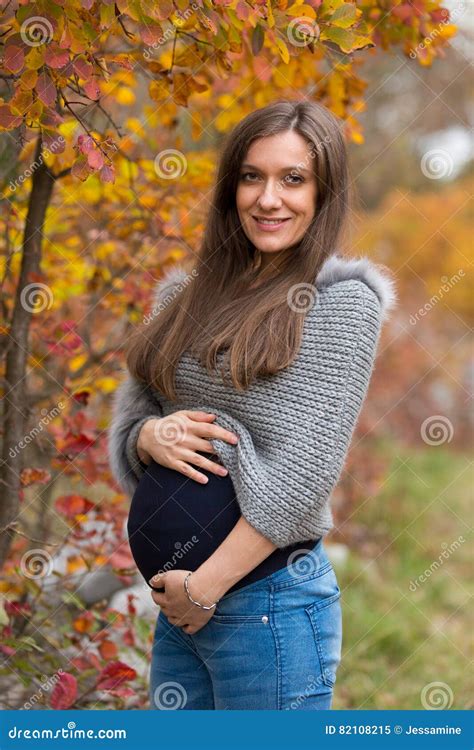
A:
(344, 16)
(258, 37)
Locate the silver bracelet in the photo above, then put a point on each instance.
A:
(203, 606)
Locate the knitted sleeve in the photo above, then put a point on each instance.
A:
(288, 462)
(133, 404)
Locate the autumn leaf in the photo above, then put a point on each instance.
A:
(73, 505)
(115, 674)
(64, 693)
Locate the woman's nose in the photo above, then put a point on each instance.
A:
(270, 197)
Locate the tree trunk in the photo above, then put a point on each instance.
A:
(14, 416)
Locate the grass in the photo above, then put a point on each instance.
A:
(396, 639)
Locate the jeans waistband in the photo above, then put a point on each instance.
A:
(302, 563)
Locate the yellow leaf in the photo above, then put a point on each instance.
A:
(283, 50)
(76, 362)
(301, 10)
(158, 90)
(106, 384)
(125, 96)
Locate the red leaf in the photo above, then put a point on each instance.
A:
(14, 58)
(115, 674)
(107, 173)
(92, 89)
(95, 159)
(34, 476)
(108, 650)
(46, 89)
(85, 143)
(55, 57)
(82, 396)
(64, 693)
(83, 68)
(72, 505)
(7, 120)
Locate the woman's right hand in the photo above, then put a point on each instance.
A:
(173, 441)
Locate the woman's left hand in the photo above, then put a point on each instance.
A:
(175, 604)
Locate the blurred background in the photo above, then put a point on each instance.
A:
(110, 132)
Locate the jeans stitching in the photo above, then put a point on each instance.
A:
(313, 611)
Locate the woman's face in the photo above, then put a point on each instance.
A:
(276, 182)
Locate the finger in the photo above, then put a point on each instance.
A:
(159, 599)
(204, 463)
(200, 416)
(188, 471)
(216, 432)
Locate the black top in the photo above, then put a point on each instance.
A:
(176, 522)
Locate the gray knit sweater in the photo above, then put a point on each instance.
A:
(295, 427)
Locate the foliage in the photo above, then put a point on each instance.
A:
(92, 95)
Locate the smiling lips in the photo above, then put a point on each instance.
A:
(269, 225)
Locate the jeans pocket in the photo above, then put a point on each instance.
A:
(326, 619)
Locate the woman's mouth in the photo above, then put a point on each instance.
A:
(269, 225)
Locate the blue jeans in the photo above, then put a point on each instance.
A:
(274, 644)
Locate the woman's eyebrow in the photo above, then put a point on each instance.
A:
(295, 168)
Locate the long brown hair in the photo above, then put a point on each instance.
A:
(259, 331)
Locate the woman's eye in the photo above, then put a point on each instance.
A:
(294, 179)
(295, 176)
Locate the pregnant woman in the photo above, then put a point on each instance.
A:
(232, 425)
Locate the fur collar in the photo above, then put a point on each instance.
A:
(335, 268)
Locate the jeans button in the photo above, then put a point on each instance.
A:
(264, 619)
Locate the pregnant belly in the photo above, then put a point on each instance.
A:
(176, 522)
